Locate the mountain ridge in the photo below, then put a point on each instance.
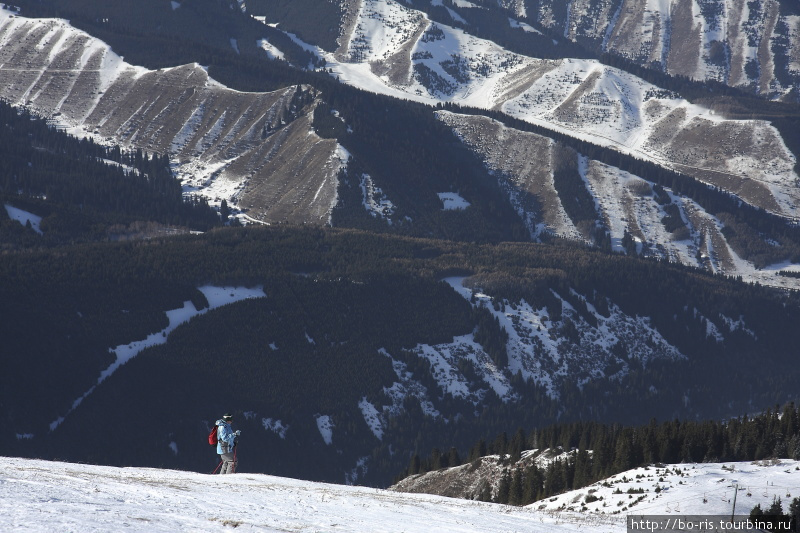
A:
(230, 169)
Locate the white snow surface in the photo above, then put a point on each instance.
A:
(23, 217)
(453, 201)
(374, 200)
(276, 426)
(325, 426)
(271, 50)
(44, 496)
(444, 360)
(683, 488)
(372, 417)
(514, 23)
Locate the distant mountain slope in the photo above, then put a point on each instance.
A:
(359, 354)
(253, 150)
(400, 52)
(638, 217)
(752, 45)
(682, 490)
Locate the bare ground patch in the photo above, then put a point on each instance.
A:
(686, 42)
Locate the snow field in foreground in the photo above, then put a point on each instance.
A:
(51, 496)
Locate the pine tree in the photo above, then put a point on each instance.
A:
(516, 488)
(503, 488)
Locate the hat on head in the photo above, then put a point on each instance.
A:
(227, 416)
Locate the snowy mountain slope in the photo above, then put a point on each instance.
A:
(752, 45)
(256, 151)
(524, 164)
(554, 351)
(675, 490)
(53, 496)
(387, 53)
(686, 489)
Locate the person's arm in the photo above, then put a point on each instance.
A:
(227, 435)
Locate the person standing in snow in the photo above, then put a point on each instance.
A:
(226, 443)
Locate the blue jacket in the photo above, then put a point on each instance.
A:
(226, 439)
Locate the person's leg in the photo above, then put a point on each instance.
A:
(228, 463)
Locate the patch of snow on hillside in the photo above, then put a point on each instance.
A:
(272, 51)
(627, 204)
(453, 201)
(219, 296)
(276, 426)
(358, 471)
(712, 331)
(738, 325)
(374, 200)
(793, 22)
(524, 26)
(325, 426)
(235, 45)
(372, 417)
(23, 217)
(216, 297)
(445, 360)
(175, 5)
(382, 28)
(572, 349)
(453, 15)
(406, 387)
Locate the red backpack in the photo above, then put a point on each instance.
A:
(212, 437)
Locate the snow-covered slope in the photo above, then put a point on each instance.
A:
(748, 44)
(554, 351)
(42, 496)
(256, 151)
(686, 489)
(703, 489)
(398, 51)
(524, 163)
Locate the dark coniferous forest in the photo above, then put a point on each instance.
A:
(85, 191)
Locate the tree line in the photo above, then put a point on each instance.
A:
(81, 189)
(354, 293)
(602, 450)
